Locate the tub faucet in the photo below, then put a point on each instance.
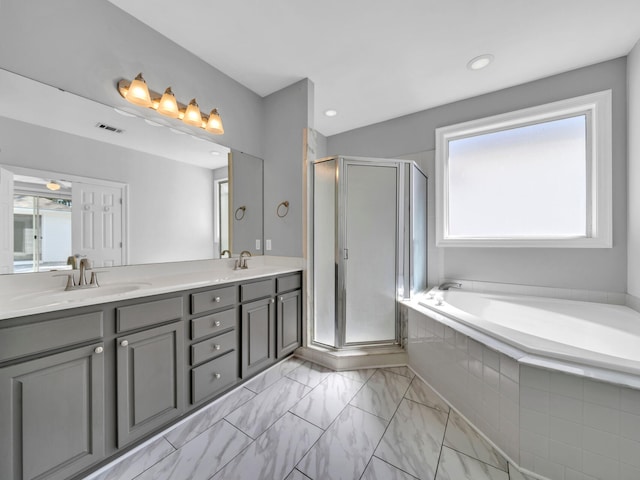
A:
(448, 285)
(243, 263)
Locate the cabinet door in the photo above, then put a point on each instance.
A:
(288, 320)
(52, 415)
(150, 367)
(258, 342)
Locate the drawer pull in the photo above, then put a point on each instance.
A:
(98, 350)
(216, 376)
(217, 323)
(124, 343)
(216, 347)
(217, 299)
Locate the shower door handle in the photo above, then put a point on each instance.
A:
(346, 254)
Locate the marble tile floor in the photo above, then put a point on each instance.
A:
(301, 421)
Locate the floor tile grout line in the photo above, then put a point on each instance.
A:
(329, 426)
(477, 459)
(385, 429)
(394, 466)
(444, 434)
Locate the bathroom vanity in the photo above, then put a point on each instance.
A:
(80, 384)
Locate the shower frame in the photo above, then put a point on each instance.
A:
(407, 277)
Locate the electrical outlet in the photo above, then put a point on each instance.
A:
(268, 243)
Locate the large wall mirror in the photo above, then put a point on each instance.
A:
(82, 178)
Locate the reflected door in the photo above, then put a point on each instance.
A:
(370, 252)
(97, 221)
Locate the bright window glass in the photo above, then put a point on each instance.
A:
(527, 182)
(538, 177)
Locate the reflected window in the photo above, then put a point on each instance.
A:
(41, 233)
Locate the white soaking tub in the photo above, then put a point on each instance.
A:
(594, 339)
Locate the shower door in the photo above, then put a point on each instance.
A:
(369, 238)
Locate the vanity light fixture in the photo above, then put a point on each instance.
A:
(166, 104)
(53, 186)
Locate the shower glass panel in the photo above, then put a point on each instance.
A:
(325, 268)
(369, 248)
(370, 235)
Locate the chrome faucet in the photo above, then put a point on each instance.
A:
(243, 263)
(448, 285)
(228, 252)
(83, 265)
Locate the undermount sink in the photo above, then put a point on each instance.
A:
(54, 297)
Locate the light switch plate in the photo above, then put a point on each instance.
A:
(268, 243)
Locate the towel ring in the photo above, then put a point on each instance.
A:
(284, 204)
(242, 211)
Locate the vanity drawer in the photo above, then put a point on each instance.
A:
(213, 299)
(290, 282)
(37, 337)
(213, 376)
(148, 313)
(214, 347)
(212, 324)
(260, 289)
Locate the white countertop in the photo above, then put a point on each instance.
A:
(29, 294)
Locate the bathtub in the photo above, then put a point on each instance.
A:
(596, 340)
(553, 384)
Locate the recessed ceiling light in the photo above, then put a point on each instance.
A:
(480, 62)
(215, 152)
(330, 113)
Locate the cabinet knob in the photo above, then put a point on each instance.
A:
(216, 375)
(216, 347)
(98, 350)
(273, 300)
(124, 343)
(282, 299)
(217, 299)
(217, 323)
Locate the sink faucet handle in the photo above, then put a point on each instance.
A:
(94, 279)
(71, 282)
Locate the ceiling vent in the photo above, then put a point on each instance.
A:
(109, 128)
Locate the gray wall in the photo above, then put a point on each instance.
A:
(594, 269)
(86, 46)
(633, 66)
(286, 110)
(170, 203)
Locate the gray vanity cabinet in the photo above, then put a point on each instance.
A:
(258, 322)
(150, 380)
(52, 414)
(289, 323)
(289, 314)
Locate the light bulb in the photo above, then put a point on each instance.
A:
(168, 105)
(192, 115)
(214, 125)
(138, 93)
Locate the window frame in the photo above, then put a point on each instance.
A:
(598, 110)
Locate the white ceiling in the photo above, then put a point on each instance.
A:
(373, 60)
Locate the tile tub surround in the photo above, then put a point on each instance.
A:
(331, 432)
(554, 424)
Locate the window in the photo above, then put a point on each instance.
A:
(539, 177)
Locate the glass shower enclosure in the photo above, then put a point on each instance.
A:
(369, 247)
